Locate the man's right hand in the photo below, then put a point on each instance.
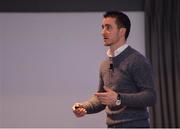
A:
(79, 110)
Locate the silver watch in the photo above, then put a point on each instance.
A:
(118, 101)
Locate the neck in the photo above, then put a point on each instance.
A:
(116, 46)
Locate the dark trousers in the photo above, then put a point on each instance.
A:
(132, 124)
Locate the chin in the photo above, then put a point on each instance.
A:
(107, 44)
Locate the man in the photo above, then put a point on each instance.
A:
(126, 82)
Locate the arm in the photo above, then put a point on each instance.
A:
(94, 105)
(91, 106)
(142, 75)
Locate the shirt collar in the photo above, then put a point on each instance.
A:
(117, 51)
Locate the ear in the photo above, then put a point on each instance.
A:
(122, 32)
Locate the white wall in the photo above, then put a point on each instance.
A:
(50, 61)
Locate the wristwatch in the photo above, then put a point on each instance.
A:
(118, 101)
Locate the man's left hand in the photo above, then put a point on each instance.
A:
(108, 97)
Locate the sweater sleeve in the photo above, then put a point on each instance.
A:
(94, 105)
(142, 76)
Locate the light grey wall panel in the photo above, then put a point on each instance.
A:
(50, 61)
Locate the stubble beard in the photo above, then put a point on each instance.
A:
(107, 44)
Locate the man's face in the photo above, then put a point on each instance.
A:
(110, 31)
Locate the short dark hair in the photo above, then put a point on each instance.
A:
(122, 20)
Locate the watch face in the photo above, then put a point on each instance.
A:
(118, 102)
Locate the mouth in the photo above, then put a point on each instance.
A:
(105, 38)
(105, 41)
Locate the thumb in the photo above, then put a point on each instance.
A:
(107, 88)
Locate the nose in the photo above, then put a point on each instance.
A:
(103, 31)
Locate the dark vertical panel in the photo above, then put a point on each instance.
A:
(70, 5)
(162, 20)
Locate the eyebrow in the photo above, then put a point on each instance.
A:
(106, 25)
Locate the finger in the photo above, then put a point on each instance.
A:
(107, 88)
(76, 105)
(100, 94)
(79, 114)
(73, 108)
(102, 98)
(77, 111)
(82, 112)
(80, 109)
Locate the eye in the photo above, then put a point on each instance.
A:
(109, 27)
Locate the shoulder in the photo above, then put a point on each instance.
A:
(138, 61)
(138, 58)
